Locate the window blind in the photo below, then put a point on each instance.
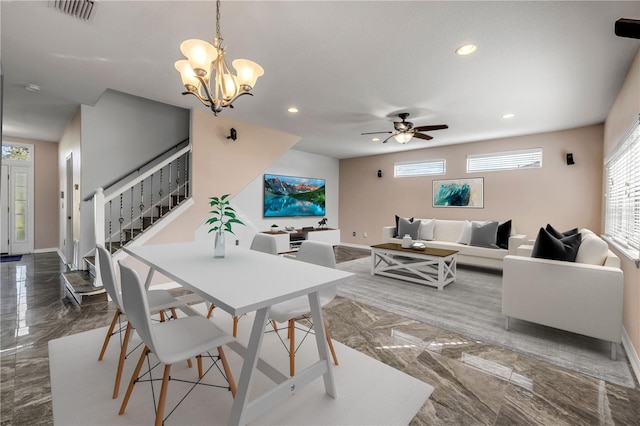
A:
(622, 197)
(521, 159)
(420, 168)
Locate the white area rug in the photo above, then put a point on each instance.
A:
(472, 307)
(369, 392)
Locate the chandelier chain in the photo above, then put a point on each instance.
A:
(218, 20)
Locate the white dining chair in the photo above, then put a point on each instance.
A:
(159, 301)
(171, 341)
(318, 253)
(261, 242)
(265, 243)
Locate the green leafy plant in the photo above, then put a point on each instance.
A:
(223, 216)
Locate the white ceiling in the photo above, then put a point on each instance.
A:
(349, 66)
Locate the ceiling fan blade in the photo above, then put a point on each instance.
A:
(422, 136)
(428, 128)
(374, 133)
(387, 139)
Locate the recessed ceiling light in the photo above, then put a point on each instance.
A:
(375, 139)
(509, 115)
(32, 87)
(292, 110)
(466, 49)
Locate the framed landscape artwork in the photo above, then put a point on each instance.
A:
(459, 193)
(292, 196)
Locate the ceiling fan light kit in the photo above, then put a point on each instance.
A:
(405, 130)
(206, 75)
(403, 137)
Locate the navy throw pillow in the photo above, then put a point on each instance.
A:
(548, 246)
(504, 232)
(550, 229)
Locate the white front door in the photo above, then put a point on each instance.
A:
(18, 214)
(4, 210)
(21, 210)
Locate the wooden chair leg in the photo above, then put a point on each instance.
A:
(114, 321)
(199, 359)
(123, 355)
(174, 313)
(235, 326)
(163, 395)
(132, 382)
(210, 312)
(162, 318)
(330, 342)
(292, 347)
(227, 371)
(275, 325)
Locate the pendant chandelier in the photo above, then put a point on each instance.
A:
(206, 75)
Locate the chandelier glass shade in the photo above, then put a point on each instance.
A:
(403, 137)
(206, 75)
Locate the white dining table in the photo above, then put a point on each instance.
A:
(246, 281)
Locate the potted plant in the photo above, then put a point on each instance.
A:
(274, 228)
(223, 216)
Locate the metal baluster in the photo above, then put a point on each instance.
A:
(170, 194)
(151, 197)
(141, 208)
(131, 223)
(121, 218)
(187, 168)
(178, 180)
(110, 222)
(160, 193)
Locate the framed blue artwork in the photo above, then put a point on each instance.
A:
(459, 193)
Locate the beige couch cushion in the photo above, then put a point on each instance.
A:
(593, 250)
(447, 230)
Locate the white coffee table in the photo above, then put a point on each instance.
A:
(428, 266)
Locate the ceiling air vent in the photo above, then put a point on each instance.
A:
(81, 9)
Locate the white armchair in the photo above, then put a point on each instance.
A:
(577, 297)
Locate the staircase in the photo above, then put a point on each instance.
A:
(128, 209)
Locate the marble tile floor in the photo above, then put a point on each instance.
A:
(475, 383)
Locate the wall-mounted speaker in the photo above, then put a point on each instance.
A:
(627, 28)
(570, 159)
(379, 173)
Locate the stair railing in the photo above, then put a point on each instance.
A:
(130, 208)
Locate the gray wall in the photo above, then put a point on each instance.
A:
(122, 132)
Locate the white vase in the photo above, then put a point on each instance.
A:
(218, 245)
(407, 241)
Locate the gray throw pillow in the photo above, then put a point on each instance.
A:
(484, 235)
(405, 227)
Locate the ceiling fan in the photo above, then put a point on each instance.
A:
(405, 130)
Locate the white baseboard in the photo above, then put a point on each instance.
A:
(631, 353)
(46, 250)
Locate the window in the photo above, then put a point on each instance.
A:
(508, 160)
(16, 152)
(622, 196)
(420, 168)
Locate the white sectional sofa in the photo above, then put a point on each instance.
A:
(583, 297)
(446, 234)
